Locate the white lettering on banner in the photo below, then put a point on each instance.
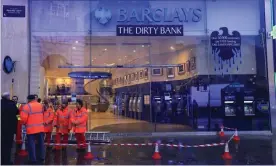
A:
(170, 30)
(127, 30)
(150, 30)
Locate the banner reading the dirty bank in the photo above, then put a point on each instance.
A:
(149, 30)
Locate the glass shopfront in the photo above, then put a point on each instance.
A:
(154, 66)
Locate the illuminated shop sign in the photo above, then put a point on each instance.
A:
(147, 18)
(146, 15)
(160, 15)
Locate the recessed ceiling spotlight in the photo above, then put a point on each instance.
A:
(172, 48)
(105, 49)
(134, 50)
(143, 46)
(73, 48)
(77, 42)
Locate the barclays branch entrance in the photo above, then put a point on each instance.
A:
(154, 66)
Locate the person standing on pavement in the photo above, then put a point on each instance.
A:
(62, 124)
(48, 121)
(8, 127)
(79, 119)
(32, 117)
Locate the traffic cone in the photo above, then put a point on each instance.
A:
(221, 133)
(236, 138)
(23, 151)
(89, 155)
(226, 155)
(156, 155)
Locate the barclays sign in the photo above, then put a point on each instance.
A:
(150, 15)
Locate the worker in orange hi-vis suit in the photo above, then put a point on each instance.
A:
(32, 117)
(62, 124)
(48, 121)
(79, 119)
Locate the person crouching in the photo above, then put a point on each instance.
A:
(79, 119)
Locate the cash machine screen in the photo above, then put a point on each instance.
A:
(249, 108)
(157, 99)
(167, 96)
(229, 106)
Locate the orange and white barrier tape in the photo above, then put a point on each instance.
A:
(143, 144)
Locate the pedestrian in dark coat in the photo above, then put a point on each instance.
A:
(8, 127)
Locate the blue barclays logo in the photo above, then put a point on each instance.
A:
(103, 15)
(152, 15)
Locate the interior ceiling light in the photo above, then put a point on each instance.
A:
(105, 49)
(172, 48)
(73, 48)
(143, 46)
(77, 42)
(134, 50)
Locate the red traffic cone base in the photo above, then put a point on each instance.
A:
(88, 156)
(156, 156)
(236, 138)
(23, 151)
(226, 156)
(221, 134)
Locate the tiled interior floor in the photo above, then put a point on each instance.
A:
(107, 121)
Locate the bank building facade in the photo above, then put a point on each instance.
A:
(157, 66)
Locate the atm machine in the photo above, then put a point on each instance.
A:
(130, 106)
(249, 103)
(140, 107)
(121, 102)
(168, 113)
(134, 106)
(179, 113)
(157, 108)
(232, 104)
(126, 104)
(248, 109)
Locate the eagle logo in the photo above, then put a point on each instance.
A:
(103, 15)
(226, 50)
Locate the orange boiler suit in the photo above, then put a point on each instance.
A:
(48, 124)
(79, 119)
(63, 126)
